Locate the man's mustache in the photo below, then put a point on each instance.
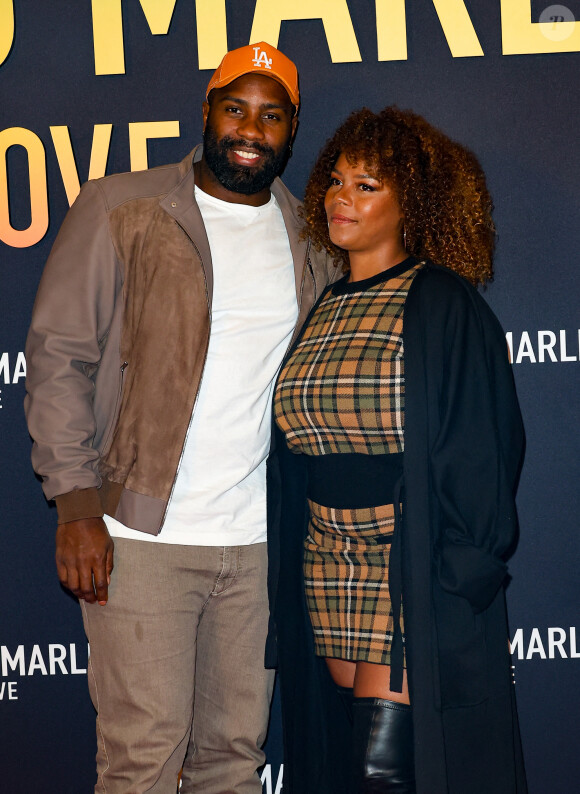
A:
(239, 143)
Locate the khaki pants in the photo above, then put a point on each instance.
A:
(177, 667)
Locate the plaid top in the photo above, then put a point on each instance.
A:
(342, 389)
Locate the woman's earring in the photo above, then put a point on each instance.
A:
(404, 238)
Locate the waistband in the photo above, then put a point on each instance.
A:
(353, 480)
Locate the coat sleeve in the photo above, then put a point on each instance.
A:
(70, 321)
(476, 452)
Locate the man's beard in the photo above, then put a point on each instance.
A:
(238, 178)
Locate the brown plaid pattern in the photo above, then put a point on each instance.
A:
(342, 388)
(346, 580)
(342, 391)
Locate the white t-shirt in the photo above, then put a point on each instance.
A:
(219, 496)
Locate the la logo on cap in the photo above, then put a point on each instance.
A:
(261, 59)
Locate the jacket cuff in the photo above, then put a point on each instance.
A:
(77, 504)
(470, 572)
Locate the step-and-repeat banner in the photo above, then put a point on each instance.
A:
(93, 88)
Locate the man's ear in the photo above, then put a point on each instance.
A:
(294, 126)
(205, 113)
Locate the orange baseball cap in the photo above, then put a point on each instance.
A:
(260, 58)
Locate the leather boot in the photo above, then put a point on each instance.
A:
(383, 747)
(347, 698)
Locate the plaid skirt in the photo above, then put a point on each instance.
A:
(346, 573)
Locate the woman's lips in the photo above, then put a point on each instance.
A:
(341, 219)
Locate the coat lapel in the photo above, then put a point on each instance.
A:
(180, 203)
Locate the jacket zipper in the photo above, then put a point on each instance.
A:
(197, 394)
(105, 446)
(308, 264)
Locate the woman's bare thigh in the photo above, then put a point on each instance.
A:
(368, 680)
(342, 672)
(373, 681)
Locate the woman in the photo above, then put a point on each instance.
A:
(399, 443)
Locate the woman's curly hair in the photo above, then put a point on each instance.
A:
(439, 185)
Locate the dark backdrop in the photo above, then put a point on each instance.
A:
(516, 104)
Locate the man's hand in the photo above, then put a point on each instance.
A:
(84, 558)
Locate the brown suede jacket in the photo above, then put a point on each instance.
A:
(118, 341)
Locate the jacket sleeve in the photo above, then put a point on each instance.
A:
(70, 321)
(476, 453)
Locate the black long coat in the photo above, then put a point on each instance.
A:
(463, 448)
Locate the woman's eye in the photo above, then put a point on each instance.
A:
(367, 188)
(334, 181)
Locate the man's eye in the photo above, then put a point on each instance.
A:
(272, 117)
(233, 110)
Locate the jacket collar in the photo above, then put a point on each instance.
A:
(180, 203)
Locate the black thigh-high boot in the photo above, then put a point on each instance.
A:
(382, 747)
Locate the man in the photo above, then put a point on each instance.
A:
(162, 317)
